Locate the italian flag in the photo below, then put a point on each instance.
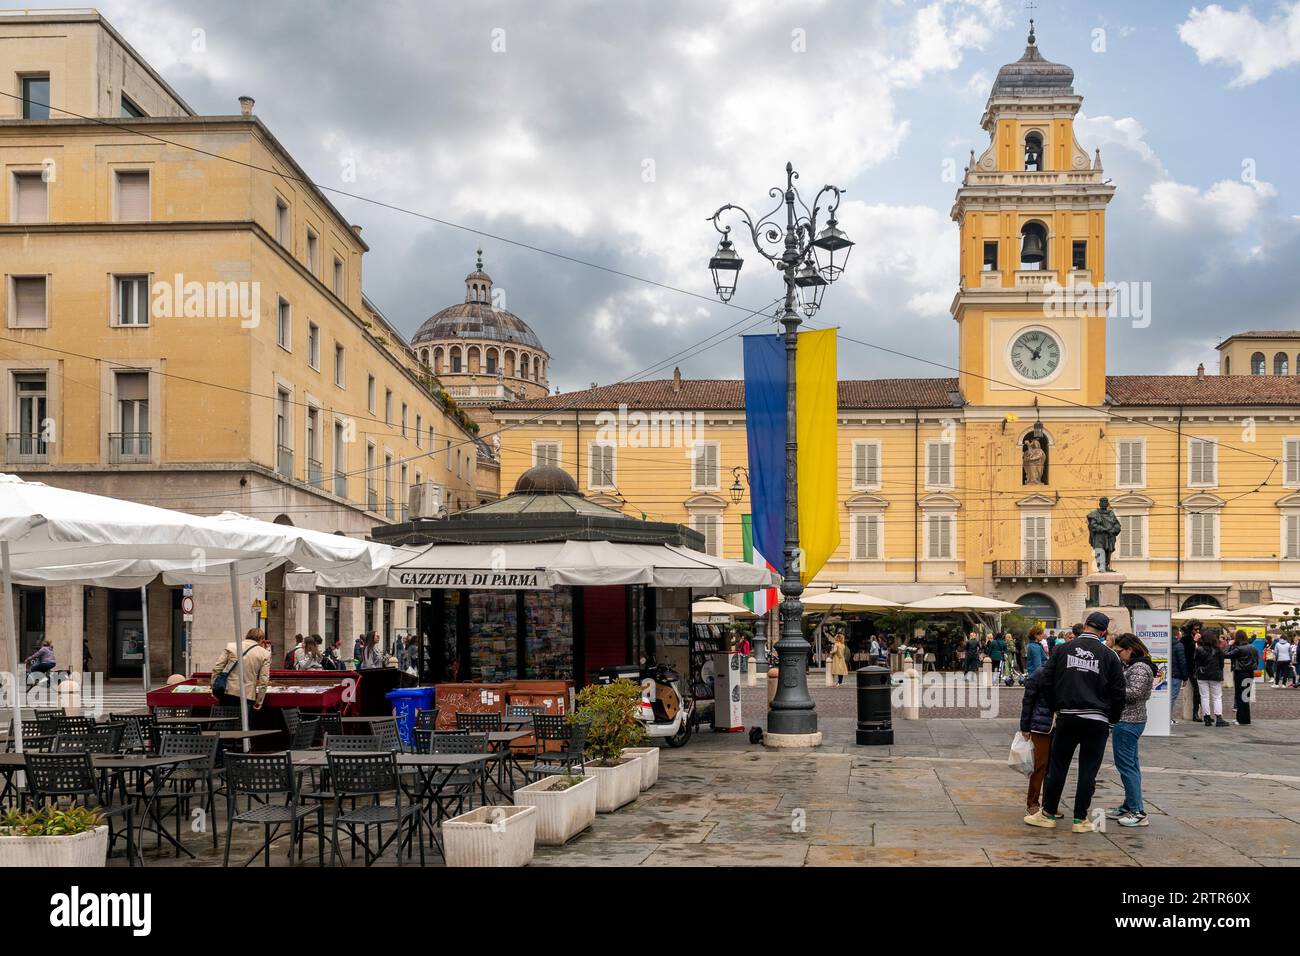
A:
(760, 602)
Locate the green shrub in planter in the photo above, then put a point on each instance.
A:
(51, 821)
(610, 710)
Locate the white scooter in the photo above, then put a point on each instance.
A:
(666, 712)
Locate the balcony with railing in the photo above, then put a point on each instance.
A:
(315, 473)
(340, 484)
(284, 461)
(1035, 568)
(127, 447)
(26, 448)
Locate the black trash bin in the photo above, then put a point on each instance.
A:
(875, 714)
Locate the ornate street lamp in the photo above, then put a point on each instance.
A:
(737, 489)
(809, 261)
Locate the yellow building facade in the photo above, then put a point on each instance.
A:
(185, 325)
(934, 487)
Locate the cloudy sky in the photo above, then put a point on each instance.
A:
(607, 132)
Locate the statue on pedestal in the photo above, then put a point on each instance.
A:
(1103, 533)
(1033, 458)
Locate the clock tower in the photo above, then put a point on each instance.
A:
(1030, 311)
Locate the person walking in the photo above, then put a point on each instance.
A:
(1268, 658)
(371, 655)
(972, 651)
(1283, 654)
(1083, 683)
(1036, 725)
(1178, 675)
(1209, 677)
(1245, 661)
(839, 663)
(291, 655)
(256, 651)
(1035, 650)
(1190, 640)
(1139, 679)
(997, 651)
(1011, 655)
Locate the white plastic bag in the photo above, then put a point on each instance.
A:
(1021, 757)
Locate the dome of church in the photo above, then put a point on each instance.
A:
(1033, 75)
(476, 318)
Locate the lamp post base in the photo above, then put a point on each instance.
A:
(793, 741)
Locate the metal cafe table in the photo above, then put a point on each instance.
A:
(153, 769)
(428, 766)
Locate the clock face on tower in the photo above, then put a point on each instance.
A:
(1035, 355)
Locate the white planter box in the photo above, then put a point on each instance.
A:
(491, 836)
(649, 764)
(561, 814)
(80, 849)
(619, 785)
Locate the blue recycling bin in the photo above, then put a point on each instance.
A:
(407, 703)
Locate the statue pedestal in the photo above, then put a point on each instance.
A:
(1104, 588)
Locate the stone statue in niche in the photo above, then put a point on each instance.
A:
(1034, 457)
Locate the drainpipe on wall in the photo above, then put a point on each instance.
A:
(1178, 495)
(916, 496)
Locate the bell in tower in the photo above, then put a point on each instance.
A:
(1033, 247)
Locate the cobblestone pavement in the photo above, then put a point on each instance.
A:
(941, 795)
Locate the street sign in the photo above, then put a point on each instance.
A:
(187, 604)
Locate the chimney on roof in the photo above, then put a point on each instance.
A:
(1200, 370)
(677, 380)
(246, 106)
(356, 229)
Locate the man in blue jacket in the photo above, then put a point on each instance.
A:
(1083, 683)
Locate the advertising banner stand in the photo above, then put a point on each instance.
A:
(1155, 630)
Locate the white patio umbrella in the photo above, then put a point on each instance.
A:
(960, 600)
(846, 600)
(52, 535)
(715, 606)
(1208, 613)
(1274, 610)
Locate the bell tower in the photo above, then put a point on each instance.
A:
(1031, 209)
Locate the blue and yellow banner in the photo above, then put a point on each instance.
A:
(816, 401)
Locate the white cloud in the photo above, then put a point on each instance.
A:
(941, 32)
(1230, 205)
(1097, 132)
(904, 254)
(1239, 39)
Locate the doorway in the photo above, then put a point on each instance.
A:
(126, 633)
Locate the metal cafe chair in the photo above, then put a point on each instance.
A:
(98, 741)
(427, 719)
(306, 735)
(172, 712)
(258, 777)
(291, 717)
(199, 773)
(69, 724)
(374, 775)
(567, 759)
(139, 733)
(46, 719)
(331, 723)
(478, 723)
(71, 776)
(224, 711)
(385, 728)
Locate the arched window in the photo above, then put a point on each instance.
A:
(537, 369)
(471, 358)
(523, 365)
(437, 360)
(510, 363)
(1034, 152)
(1039, 607)
(424, 356)
(1227, 365)
(1197, 600)
(1257, 364)
(455, 358)
(1280, 364)
(491, 361)
(1033, 246)
(1135, 602)
(1297, 363)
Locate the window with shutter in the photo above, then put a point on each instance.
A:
(711, 527)
(1132, 537)
(1131, 454)
(1203, 535)
(938, 460)
(1201, 462)
(866, 537)
(133, 197)
(1291, 452)
(601, 467)
(30, 198)
(866, 464)
(546, 453)
(706, 465)
(939, 537)
(28, 302)
(1292, 535)
(1035, 538)
(284, 325)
